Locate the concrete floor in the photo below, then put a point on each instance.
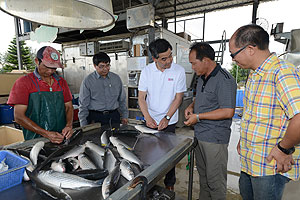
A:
(292, 190)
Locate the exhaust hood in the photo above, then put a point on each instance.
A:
(74, 14)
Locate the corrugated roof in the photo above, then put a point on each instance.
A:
(163, 9)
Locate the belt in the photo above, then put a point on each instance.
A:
(105, 112)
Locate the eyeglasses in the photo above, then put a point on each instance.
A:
(101, 66)
(165, 58)
(238, 51)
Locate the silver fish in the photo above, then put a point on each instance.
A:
(35, 152)
(52, 191)
(85, 162)
(74, 152)
(58, 166)
(109, 160)
(95, 157)
(126, 170)
(3, 166)
(128, 155)
(74, 162)
(29, 167)
(95, 147)
(110, 182)
(116, 141)
(65, 180)
(104, 139)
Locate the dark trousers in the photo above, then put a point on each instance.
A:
(105, 118)
(170, 177)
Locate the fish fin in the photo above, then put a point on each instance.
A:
(100, 182)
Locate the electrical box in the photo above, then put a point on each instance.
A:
(140, 16)
(113, 47)
(92, 48)
(82, 49)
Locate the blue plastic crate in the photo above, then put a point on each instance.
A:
(6, 114)
(16, 166)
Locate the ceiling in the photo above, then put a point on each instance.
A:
(164, 9)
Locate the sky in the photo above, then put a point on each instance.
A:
(286, 11)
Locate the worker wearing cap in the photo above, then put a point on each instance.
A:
(42, 100)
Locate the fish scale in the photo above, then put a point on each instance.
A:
(65, 180)
(85, 162)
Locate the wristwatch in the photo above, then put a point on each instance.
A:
(167, 117)
(286, 151)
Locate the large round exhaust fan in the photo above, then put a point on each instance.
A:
(75, 14)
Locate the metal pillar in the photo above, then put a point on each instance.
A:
(254, 11)
(151, 37)
(175, 16)
(191, 171)
(203, 26)
(17, 25)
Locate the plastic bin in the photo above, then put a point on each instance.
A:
(6, 114)
(239, 98)
(16, 166)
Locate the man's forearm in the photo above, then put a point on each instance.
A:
(219, 114)
(69, 114)
(143, 104)
(30, 125)
(175, 104)
(292, 135)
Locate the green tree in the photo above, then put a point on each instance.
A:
(11, 60)
(238, 73)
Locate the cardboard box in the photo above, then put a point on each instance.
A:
(7, 81)
(184, 35)
(9, 135)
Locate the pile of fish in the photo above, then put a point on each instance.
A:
(84, 166)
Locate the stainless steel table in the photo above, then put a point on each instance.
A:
(159, 153)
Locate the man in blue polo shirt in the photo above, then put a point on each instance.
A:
(211, 113)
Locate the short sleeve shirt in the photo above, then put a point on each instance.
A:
(161, 88)
(272, 98)
(24, 86)
(217, 91)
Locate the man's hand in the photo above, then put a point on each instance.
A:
(67, 132)
(163, 124)
(124, 121)
(283, 162)
(55, 137)
(151, 123)
(188, 112)
(238, 147)
(192, 119)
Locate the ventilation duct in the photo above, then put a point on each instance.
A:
(74, 14)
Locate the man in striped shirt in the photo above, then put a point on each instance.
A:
(270, 129)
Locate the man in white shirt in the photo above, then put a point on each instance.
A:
(161, 88)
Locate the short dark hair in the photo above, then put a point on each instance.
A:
(101, 57)
(252, 34)
(159, 46)
(203, 49)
